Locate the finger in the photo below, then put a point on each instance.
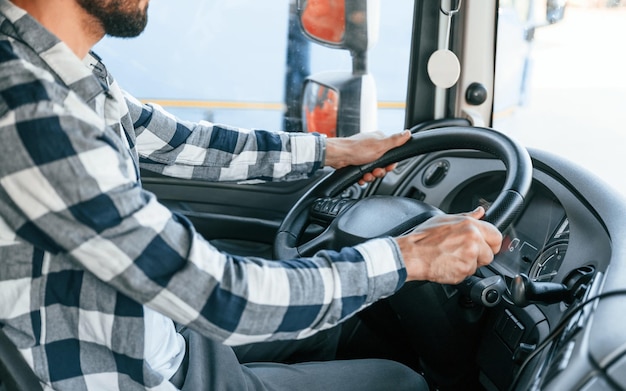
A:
(379, 172)
(491, 235)
(391, 167)
(495, 242)
(371, 176)
(402, 137)
(477, 213)
(485, 255)
(367, 177)
(397, 139)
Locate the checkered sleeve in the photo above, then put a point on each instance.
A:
(203, 150)
(68, 186)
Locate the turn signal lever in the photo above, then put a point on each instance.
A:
(487, 291)
(524, 291)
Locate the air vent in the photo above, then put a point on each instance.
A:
(435, 173)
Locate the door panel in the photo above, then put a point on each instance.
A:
(238, 218)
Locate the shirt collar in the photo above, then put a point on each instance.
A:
(87, 77)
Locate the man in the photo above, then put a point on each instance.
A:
(94, 270)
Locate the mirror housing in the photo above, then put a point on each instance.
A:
(339, 104)
(341, 24)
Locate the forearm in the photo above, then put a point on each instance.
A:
(214, 152)
(233, 299)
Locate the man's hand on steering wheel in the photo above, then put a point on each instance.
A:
(449, 248)
(363, 148)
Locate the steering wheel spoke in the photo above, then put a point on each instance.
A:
(320, 242)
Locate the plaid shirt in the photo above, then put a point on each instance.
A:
(83, 248)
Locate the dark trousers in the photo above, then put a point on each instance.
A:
(287, 365)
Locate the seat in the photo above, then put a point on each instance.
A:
(15, 373)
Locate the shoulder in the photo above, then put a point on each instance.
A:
(22, 81)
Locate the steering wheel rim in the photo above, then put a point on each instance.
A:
(502, 212)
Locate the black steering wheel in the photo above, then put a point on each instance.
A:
(354, 221)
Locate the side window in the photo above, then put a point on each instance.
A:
(513, 56)
(216, 60)
(390, 62)
(229, 63)
(563, 88)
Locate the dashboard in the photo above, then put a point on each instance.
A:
(570, 226)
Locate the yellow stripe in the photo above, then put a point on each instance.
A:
(205, 104)
(391, 105)
(215, 104)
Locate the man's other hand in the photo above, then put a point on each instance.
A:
(363, 148)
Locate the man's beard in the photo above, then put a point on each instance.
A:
(116, 16)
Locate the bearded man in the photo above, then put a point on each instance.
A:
(96, 275)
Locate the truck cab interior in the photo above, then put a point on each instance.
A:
(546, 314)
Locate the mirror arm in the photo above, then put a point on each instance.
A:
(359, 62)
